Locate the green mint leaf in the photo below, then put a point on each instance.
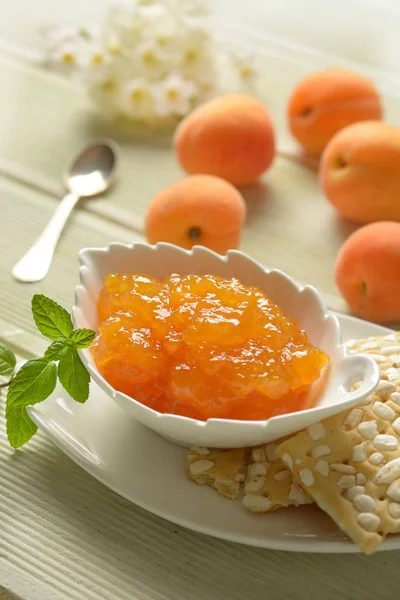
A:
(7, 361)
(82, 338)
(57, 349)
(20, 427)
(33, 383)
(74, 377)
(52, 320)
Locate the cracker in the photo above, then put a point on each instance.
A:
(384, 349)
(351, 461)
(269, 483)
(223, 470)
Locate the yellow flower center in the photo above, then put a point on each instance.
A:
(138, 95)
(109, 86)
(68, 58)
(191, 55)
(172, 94)
(149, 58)
(246, 71)
(115, 48)
(97, 58)
(163, 40)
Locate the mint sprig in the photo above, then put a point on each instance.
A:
(36, 379)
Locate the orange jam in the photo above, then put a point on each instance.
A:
(203, 347)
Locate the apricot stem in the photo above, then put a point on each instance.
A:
(194, 233)
(340, 162)
(306, 112)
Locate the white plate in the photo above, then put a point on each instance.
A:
(150, 472)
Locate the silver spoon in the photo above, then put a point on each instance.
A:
(92, 173)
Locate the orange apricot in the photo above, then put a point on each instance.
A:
(360, 172)
(230, 136)
(325, 102)
(200, 210)
(367, 271)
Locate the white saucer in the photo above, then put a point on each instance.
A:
(150, 472)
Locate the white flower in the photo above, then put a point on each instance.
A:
(140, 22)
(104, 91)
(197, 64)
(137, 100)
(64, 58)
(194, 8)
(152, 59)
(154, 62)
(70, 50)
(153, 15)
(195, 30)
(173, 96)
(244, 66)
(55, 36)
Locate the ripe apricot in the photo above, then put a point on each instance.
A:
(325, 102)
(367, 271)
(230, 136)
(360, 172)
(201, 209)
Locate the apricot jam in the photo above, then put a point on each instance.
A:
(203, 347)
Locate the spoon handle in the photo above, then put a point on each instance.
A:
(35, 264)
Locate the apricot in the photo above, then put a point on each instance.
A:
(360, 172)
(325, 102)
(230, 136)
(367, 271)
(200, 210)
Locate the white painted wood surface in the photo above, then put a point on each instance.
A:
(63, 536)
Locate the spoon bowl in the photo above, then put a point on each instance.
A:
(93, 170)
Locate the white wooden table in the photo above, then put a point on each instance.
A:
(64, 536)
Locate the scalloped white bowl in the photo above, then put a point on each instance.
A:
(329, 395)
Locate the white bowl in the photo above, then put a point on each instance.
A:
(331, 393)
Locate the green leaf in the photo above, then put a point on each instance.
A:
(33, 383)
(57, 349)
(7, 361)
(74, 377)
(82, 338)
(20, 427)
(52, 320)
